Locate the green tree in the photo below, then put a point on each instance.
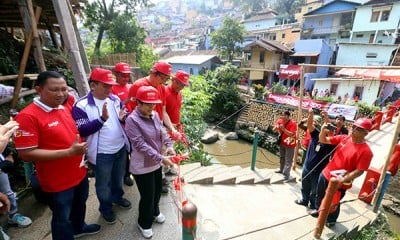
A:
(99, 15)
(286, 9)
(227, 37)
(125, 34)
(225, 94)
(145, 58)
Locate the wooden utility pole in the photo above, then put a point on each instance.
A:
(71, 45)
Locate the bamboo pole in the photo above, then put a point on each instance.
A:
(385, 167)
(22, 66)
(36, 42)
(299, 117)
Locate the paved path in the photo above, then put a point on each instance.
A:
(124, 229)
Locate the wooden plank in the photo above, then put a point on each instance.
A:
(12, 77)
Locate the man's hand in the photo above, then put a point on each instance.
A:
(77, 148)
(123, 113)
(166, 161)
(6, 131)
(4, 204)
(104, 112)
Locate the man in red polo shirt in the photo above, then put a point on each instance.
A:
(122, 72)
(159, 74)
(174, 96)
(48, 136)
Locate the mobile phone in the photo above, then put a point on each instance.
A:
(317, 111)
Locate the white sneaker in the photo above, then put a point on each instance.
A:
(160, 218)
(4, 235)
(146, 233)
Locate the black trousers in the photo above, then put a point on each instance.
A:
(149, 186)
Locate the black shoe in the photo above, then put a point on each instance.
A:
(124, 203)
(88, 230)
(330, 224)
(278, 171)
(109, 217)
(128, 181)
(164, 189)
(314, 213)
(300, 202)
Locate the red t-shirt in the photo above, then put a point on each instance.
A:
(348, 156)
(173, 104)
(286, 140)
(121, 91)
(50, 130)
(132, 94)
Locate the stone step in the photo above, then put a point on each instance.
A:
(226, 175)
(202, 175)
(258, 176)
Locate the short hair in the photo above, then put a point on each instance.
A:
(341, 117)
(287, 113)
(43, 76)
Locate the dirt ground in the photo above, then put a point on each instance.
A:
(392, 196)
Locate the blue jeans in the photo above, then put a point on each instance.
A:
(6, 189)
(69, 209)
(309, 182)
(321, 188)
(109, 172)
(149, 186)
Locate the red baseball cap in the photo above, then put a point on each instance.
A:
(182, 77)
(122, 68)
(162, 67)
(102, 75)
(148, 94)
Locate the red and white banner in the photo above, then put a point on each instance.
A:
(333, 109)
(294, 101)
(291, 72)
(349, 112)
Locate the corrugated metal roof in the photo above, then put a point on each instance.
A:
(192, 59)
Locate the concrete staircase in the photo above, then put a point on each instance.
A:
(194, 173)
(227, 195)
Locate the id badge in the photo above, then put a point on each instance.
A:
(317, 148)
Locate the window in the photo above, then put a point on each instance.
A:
(320, 22)
(262, 57)
(380, 15)
(371, 55)
(375, 16)
(283, 35)
(358, 91)
(334, 87)
(273, 37)
(191, 71)
(385, 15)
(309, 9)
(359, 35)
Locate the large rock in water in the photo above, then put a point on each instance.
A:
(231, 136)
(210, 137)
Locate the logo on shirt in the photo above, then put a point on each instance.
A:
(53, 124)
(23, 133)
